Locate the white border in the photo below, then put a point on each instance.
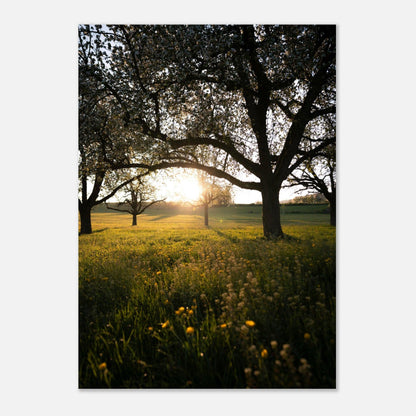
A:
(376, 141)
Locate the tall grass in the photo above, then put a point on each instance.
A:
(163, 305)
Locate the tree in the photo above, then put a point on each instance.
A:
(212, 191)
(99, 131)
(250, 92)
(138, 197)
(319, 174)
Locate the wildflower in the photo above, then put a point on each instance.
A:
(158, 272)
(244, 329)
(190, 312)
(273, 344)
(165, 324)
(307, 336)
(150, 328)
(102, 366)
(250, 324)
(248, 371)
(190, 330)
(264, 353)
(181, 309)
(222, 326)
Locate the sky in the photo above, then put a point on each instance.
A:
(183, 185)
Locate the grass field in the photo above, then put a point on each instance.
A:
(173, 304)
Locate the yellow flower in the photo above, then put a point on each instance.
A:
(158, 272)
(307, 336)
(250, 324)
(223, 326)
(264, 353)
(150, 328)
(102, 366)
(181, 309)
(190, 330)
(190, 312)
(165, 324)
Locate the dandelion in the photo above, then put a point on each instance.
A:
(190, 312)
(264, 353)
(165, 324)
(250, 324)
(158, 272)
(181, 309)
(190, 330)
(222, 326)
(102, 366)
(307, 336)
(150, 328)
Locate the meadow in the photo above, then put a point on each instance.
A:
(173, 304)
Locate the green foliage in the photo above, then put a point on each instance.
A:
(165, 305)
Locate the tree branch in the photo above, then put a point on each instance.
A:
(193, 165)
(310, 153)
(227, 147)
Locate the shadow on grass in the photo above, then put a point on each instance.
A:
(234, 239)
(100, 230)
(161, 217)
(231, 238)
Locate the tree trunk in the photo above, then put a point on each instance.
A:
(85, 217)
(333, 212)
(134, 219)
(271, 213)
(206, 214)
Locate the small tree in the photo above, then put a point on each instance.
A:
(138, 197)
(213, 191)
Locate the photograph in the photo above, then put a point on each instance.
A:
(207, 206)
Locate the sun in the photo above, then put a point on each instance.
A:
(182, 187)
(187, 188)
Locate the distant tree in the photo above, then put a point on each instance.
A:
(213, 191)
(139, 196)
(310, 198)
